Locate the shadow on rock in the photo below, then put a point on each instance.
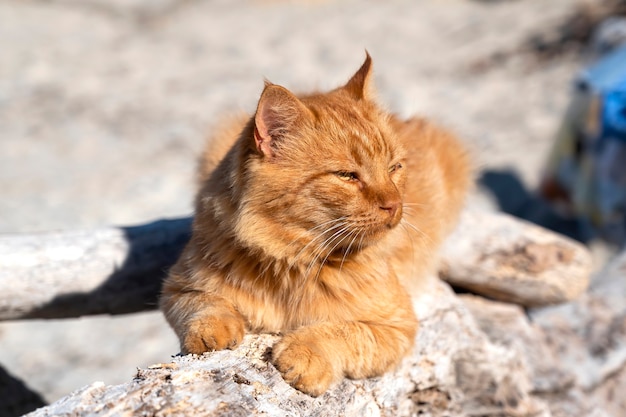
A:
(513, 198)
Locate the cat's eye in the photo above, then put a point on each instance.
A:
(395, 167)
(347, 175)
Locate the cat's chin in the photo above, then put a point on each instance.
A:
(355, 246)
(377, 234)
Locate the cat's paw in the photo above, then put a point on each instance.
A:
(211, 333)
(303, 366)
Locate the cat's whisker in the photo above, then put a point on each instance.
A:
(339, 222)
(262, 272)
(352, 232)
(324, 247)
(318, 253)
(329, 252)
(405, 222)
(412, 208)
(407, 227)
(417, 230)
(356, 235)
(411, 241)
(414, 205)
(410, 211)
(321, 226)
(325, 244)
(360, 246)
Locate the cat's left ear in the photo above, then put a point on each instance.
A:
(360, 85)
(278, 114)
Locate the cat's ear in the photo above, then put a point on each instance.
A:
(360, 85)
(277, 114)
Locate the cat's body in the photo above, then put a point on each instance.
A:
(313, 218)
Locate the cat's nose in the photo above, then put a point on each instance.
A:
(391, 207)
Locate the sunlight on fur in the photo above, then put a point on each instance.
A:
(314, 218)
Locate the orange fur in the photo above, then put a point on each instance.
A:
(313, 219)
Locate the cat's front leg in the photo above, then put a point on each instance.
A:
(313, 358)
(203, 321)
(215, 328)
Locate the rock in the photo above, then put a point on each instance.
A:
(589, 335)
(553, 381)
(115, 270)
(608, 393)
(119, 270)
(454, 370)
(511, 260)
(587, 338)
(507, 325)
(472, 357)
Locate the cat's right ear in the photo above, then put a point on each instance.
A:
(277, 114)
(360, 86)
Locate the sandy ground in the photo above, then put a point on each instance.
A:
(105, 104)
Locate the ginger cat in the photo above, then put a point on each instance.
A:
(313, 218)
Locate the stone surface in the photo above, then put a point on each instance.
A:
(515, 261)
(473, 356)
(575, 352)
(111, 270)
(508, 325)
(454, 370)
(565, 371)
(119, 270)
(589, 335)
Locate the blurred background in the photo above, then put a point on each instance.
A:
(105, 104)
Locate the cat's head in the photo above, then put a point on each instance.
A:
(325, 172)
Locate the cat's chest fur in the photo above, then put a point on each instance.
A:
(278, 295)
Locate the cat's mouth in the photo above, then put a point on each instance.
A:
(348, 235)
(359, 241)
(382, 230)
(376, 231)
